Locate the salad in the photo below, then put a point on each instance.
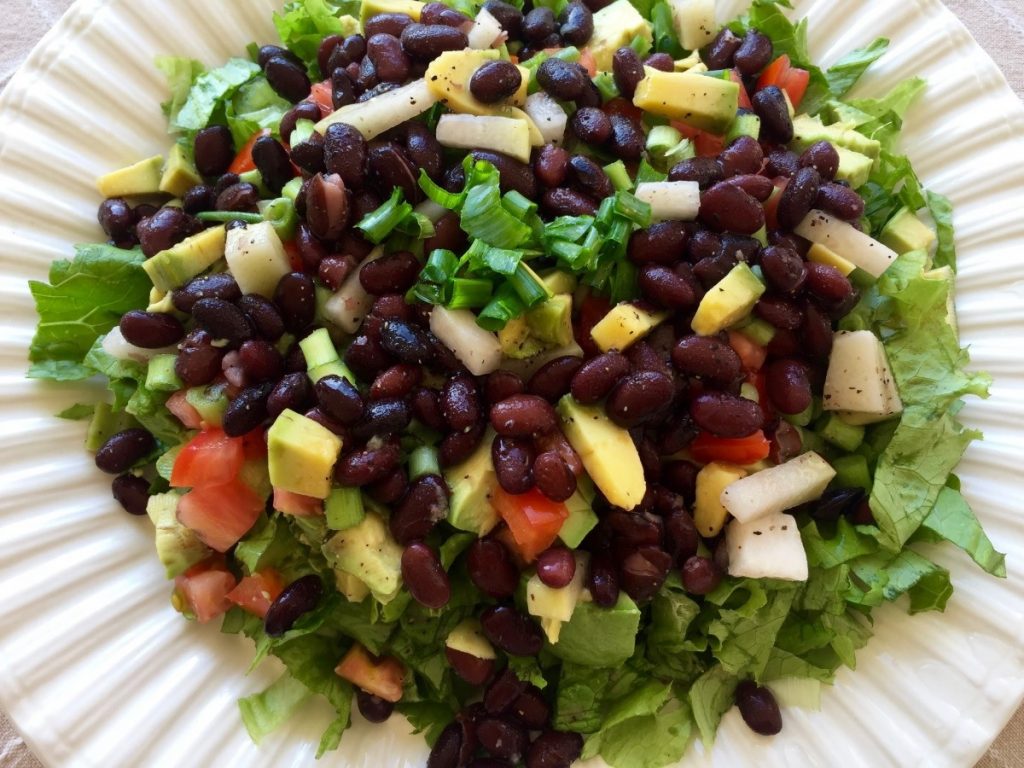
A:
(558, 377)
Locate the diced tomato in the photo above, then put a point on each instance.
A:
(588, 62)
(255, 593)
(294, 257)
(751, 355)
(792, 80)
(209, 458)
(533, 519)
(739, 450)
(204, 588)
(220, 514)
(243, 161)
(504, 535)
(737, 78)
(592, 310)
(621, 106)
(321, 95)
(704, 144)
(297, 504)
(757, 380)
(771, 205)
(382, 677)
(183, 410)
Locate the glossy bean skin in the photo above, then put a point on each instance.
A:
(828, 283)
(758, 187)
(460, 403)
(396, 382)
(491, 568)
(327, 206)
(822, 157)
(835, 503)
(754, 53)
(706, 171)
(287, 78)
(298, 598)
(758, 707)
(511, 631)
(367, 465)
(512, 173)
(132, 493)
(556, 567)
(216, 286)
(591, 125)
(222, 320)
(439, 13)
(603, 580)
(304, 110)
(424, 504)
(720, 52)
(798, 198)
(406, 342)
(538, 25)
(783, 269)
(682, 538)
(508, 15)
(213, 150)
(627, 139)
(555, 749)
(502, 738)
(424, 576)
(393, 273)
(386, 23)
(782, 162)
(293, 391)
(513, 460)
(700, 575)
(382, 417)
(788, 386)
(742, 156)
(551, 165)
(123, 450)
(426, 408)
(817, 333)
(495, 81)
(502, 384)
(373, 708)
(309, 154)
(628, 71)
(458, 446)
(295, 297)
(345, 152)
(640, 397)
(118, 219)
(662, 243)
(163, 229)
(779, 312)
(665, 287)
(562, 201)
(840, 201)
(553, 476)
(727, 208)
(472, 669)
(660, 61)
(644, 571)
(389, 167)
(260, 360)
(725, 415)
(590, 177)
(389, 57)
(560, 78)
(707, 358)
(523, 416)
(577, 24)
(446, 750)
(596, 377)
(552, 380)
(770, 105)
(247, 411)
(198, 361)
(273, 163)
(151, 330)
(428, 41)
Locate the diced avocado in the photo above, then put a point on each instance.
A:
(177, 265)
(709, 515)
(352, 588)
(840, 434)
(606, 450)
(905, 232)
(160, 301)
(852, 472)
(516, 340)
(179, 174)
(624, 325)
(854, 167)
(368, 552)
(302, 454)
(142, 178)
(698, 100)
(448, 78)
(599, 637)
(105, 424)
(581, 519)
(555, 606)
(210, 400)
(472, 482)
(745, 124)
(373, 7)
(558, 281)
(822, 254)
(160, 374)
(757, 330)
(692, 62)
(727, 301)
(694, 21)
(318, 349)
(256, 258)
(807, 130)
(468, 637)
(616, 25)
(178, 547)
(344, 508)
(551, 322)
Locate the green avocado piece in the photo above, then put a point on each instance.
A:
(854, 167)
(177, 265)
(551, 322)
(616, 25)
(210, 400)
(599, 637)
(302, 454)
(371, 8)
(141, 178)
(807, 130)
(105, 424)
(368, 552)
(581, 519)
(472, 482)
(177, 547)
(179, 174)
(904, 232)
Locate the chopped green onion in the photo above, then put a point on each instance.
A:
(528, 285)
(505, 305)
(416, 226)
(282, 217)
(570, 228)
(633, 208)
(619, 176)
(504, 261)
(248, 218)
(518, 205)
(662, 138)
(469, 293)
(344, 508)
(606, 86)
(428, 293)
(423, 461)
(451, 200)
(684, 150)
(378, 224)
(483, 216)
(641, 45)
(292, 188)
(623, 282)
(302, 131)
(647, 172)
(440, 267)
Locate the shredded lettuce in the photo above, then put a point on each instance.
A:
(953, 520)
(181, 73)
(253, 108)
(303, 24)
(210, 92)
(264, 712)
(845, 73)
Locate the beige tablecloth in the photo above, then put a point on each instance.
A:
(997, 24)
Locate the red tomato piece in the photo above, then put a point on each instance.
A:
(737, 78)
(588, 62)
(297, 504)
(243, 162)
(220, 514)
(209, 458)
(704, 144)
(533, 519)
(382, 677)
(771, 205)
(183, 410)
(320, 94)
(783, 74)
(751, 355)
(756, 378)
(205, 590)
(739, 450)
(294, 257)
(255, 593)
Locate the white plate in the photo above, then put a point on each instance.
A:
(96, 668)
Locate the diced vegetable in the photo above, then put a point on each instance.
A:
(735, 450)
(778, 488)
(381, 677)
(500, 134)
(555, 606)
(351, 303)
(255, 593)
(694, 21)
(548, 115)
(115, 345)
(476, 348)
(209, 458)
(766, 548)
(205, 590)
(220, 514)
(256, 258)
(384, 112)
(859, 382)
(533, 519)
(709, 514)
(847, 241)
(679, 200)
(486, 30)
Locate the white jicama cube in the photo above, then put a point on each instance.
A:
(775, 489)
(485, 31)
(694, 22)
(847, 241)
(256, 258)
(351, 303)
(859, 383)
(382, 113)
(676, 200)
(499, 134)
(766, 548)
(548, 115)
(476, 348)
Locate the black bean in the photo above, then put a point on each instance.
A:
(213, 150)
(345, 152)
(260, 360)
(660, 61)
(222, 320)
(562, 201)
(663, 243)
(627, 139)
(511, 631)
(472, 669)
(590, 96)
(742, 156)
(727, 208)
(367, 465)
(553, 379)
(117, 218)
(287, 78)
(556, 567)
(713, 268)
(783, 269)
(538, 25)
(780, 312)
(725, 415)
(238, 198)
(510, 17)
(627, 70)
(373, 708)
(309, 154)
(123, 450)
(428, 41)
(835, 503)
(664, 287)
(512, 173)
(423, 149)
(151, 330)
(513, 459)
(386, 416)
(405, 341)
(828, 283)
(198, 360)
(262, 314)
(561, 79)
(603, 580)
(758, 707)
(494, 81)
(351, 50)
(460, 402)
(298, 598)
(132, 493)
(782, 162)
(822, 157)
(293, 391)
(422, 506)
(272, 161)
(503, 738)
(339, 399)
(439, 13)
(446, 750)
(304, 110)
(459, 446)
(343, 89)
(704, 170)
(388, 167)
(327, 207)
(596, 377)
(720, 52)
(644, 571)
(753, 54)
(164, 229)
(555, 749)
(424, 576)
(798, 198)
(840, 201)
(387, 23)
(396, 382)
(295, 296)
(323, 57)
(247, 411)
(491, 568)
(770, 105)
(267, 52)
(700, 575)
(577, 24)
(707, 358)
(590, 177)
(198, 199)
(389, 56)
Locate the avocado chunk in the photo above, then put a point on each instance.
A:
(599, 637)
(555, 606)
(210, 401)
(353, 589)
(807, 130)
(709, 514)
(516, 340)
(704, 102)
(177, 546)
(105, 424)
(551, 322)
(468, 637)
(179, 174)
(728, 301)
(854, 168)
(141, 178)
(581, 519)
(616, 25)
(302, 454)
(373, 7)
(368, 552)
(472, 482)
(606, 450)
(822, 254)
(624, 325)
(558, 281)
(177, 265)
(448, 79)
(905, 232)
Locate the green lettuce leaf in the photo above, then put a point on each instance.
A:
(845, 73)
(741, 638)
(953, 520)
(847, 544)
(942, 213)
(77, 412)
(181, 73)
(210, 93)
(303, 24)
(649, 740)
(711, 696)
(262, 713)
(253, 108)
(83, 299)
(427, 717)
(889, 576)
